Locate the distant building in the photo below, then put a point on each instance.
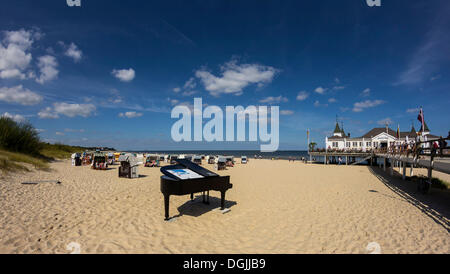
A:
(375, 138)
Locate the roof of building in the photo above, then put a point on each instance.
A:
(335, 138)
(337, 129)
(431, 136)
(426, 127)
(378, 130)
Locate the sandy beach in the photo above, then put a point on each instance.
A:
(276, 207)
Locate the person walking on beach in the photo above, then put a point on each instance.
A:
(340, 160)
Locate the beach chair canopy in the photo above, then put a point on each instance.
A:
(129, 158)
(196, 157)
(76, 155)
(99, 156)
(221, 159)
(152, 157)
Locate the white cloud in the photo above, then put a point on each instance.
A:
(338, 87)
(69, 110)
(190, 84)
(235, 78)
(74, 130)
(189, 93)
(337, 80)
(74, 52)
(332, 100)
(124, 75)
(318, 104)
(16, 117)
(360, 106)
(413, 110)
(365, 92)
(47, 66)
(14, 53)
(385, 121)
(60, 133)
(22, 38)
(274, 100)
(19, 95)
(187, 87)
(47, 113)
(130, 114)
(431, 54)
(434, 78)
(302, 95)
(115, 96)
(72, 110)
(173, 101)
(320, 90)
(286, 112)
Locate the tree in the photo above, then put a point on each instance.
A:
(312, 145)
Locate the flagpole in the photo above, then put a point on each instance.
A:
(423, 121)
(309, 149)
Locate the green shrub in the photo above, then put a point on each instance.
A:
(19, 137)
(59, 151)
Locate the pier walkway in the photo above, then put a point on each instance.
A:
(432, 155)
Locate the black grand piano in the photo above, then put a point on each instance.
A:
(185, 177)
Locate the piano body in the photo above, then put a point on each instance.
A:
(185, 177)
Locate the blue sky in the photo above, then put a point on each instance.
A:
(109, 72)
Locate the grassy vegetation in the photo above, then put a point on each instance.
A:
(438, 183)
(435, 182)
(11, 161)
(19, 137)
(59, 151)
(21, 148)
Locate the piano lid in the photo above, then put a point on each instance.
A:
(185, 170)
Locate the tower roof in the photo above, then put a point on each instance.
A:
(337, 129)
(426, 127)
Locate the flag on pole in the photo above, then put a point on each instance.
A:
(421, 119)
(398, 132)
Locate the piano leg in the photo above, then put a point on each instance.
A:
(222, 200)
(166, 206)
(207, 197)
(192, 196)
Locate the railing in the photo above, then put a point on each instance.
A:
(434, 148)
(322, 150)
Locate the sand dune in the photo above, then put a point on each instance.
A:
(276, 207)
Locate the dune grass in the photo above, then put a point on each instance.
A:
(58, 151)
(19, 137)
(14, 161)
(21, 148)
